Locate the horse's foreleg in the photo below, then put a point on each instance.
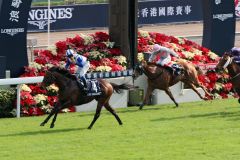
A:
(58, 107)
(111, 110)
(48, 117)
(54, 118)
(196, 91)
(169, 93)
(97, 114)
(146, 98)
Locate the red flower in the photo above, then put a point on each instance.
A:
(115, 51)
(101, 37)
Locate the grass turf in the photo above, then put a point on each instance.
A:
(200, 130)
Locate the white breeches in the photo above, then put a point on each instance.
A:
(165, 61)
(81, 71)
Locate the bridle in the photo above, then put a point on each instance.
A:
(229, 61)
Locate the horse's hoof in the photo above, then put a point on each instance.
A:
(42, 124)
(52, 126)
(89, 128)
(238, 100)
(120, 123)
(177, 105)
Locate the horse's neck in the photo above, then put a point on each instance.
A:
(147, 71)
(233, 69)
(61, 80)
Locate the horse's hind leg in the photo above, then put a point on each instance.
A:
(111, 110)
(169, 93)
(146, 98)
(97, 114)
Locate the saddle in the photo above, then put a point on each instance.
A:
(177, 69)
(93, 87)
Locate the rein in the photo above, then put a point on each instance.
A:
(235, 76)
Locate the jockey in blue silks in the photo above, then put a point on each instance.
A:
(82, 63)
(235, 52)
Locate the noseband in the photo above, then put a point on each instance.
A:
(229, 61)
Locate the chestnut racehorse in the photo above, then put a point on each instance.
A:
(160, 78)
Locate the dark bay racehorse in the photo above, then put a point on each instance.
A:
(226, 62)
(70, 94)
(160, 78)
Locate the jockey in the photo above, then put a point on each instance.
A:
(165, 58)
(235, 52)
(82, 63)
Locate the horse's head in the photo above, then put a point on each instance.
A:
(137, 71)
(224, 62)
(48, 79)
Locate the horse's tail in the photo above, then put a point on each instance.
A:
(117, 87)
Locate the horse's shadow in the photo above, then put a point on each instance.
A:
(32, 133)
(230, 116)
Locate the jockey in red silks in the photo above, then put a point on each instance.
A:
(165, 56)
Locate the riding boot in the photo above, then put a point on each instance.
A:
(170, 69)
(83, 78)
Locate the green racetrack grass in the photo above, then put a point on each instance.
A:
(194, 131)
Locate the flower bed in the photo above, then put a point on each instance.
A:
(104, 56)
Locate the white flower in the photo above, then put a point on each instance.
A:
(109, 44)
(188, 55)
(53, 50)
(53, 87)
(140, 57)
(144, 34)
(24, 87)
(96, 55)
(35, 65)
(88, 39)
(212, 55)
(39, 98)
(47, 108)
(103, 69)
(121, 60)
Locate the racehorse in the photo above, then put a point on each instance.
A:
(160, 78)
(71, 94)
(226, 62)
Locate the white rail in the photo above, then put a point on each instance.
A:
(18, 82)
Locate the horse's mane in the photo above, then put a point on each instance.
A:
(62, 71)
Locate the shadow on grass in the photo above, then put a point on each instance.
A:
(231, 116)
(131, 109)
(50, 131)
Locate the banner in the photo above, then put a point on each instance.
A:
(96, 15)
(219, 25)
(13, 29)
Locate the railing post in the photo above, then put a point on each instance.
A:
(18, 100)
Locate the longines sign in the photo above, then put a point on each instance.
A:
(13, 29)
(39, 17)
(68, 17)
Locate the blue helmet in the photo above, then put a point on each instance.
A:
(69, 53)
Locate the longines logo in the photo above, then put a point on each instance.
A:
(12, 31)
(39, 17)
(223, 17)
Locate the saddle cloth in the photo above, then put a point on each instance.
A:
(93, 88)
(177, 69)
